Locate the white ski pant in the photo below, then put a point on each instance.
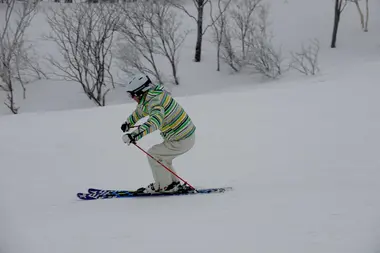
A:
(165, 152)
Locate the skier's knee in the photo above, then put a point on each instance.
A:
(152, 157)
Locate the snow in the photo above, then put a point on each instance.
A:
(301, 154)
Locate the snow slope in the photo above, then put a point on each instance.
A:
(301, 154)
(302, 158)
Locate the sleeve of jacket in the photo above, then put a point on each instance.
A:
(154, 122)
(135, 117)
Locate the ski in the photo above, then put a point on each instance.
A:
(94, 193)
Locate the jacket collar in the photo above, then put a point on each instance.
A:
(155, 91)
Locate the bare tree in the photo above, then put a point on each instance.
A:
(245, 41)
(151, 29)
(168, 34)
(228, 52)
(306, 61)
(338, 9)
(199, 5)
(137, 41)
(219, 27)
(367, 17)
(363, 18)
(261, 52)
(198, 18)
(15, 59)
(240, 23)
(244, 18)
(84, 34)
(262, 56)
(131, 58)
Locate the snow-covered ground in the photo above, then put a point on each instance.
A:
(301, 154)
(302, 158)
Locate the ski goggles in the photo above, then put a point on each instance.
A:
(139, 91)
(131, 94)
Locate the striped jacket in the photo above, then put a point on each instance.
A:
(165, 114)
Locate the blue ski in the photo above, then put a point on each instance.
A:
(94, 193)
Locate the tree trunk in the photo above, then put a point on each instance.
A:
(367, 17)
(360, 14)
(11, 105)
(336, 24)
(174, 70)
(218, 57)
(198, 46)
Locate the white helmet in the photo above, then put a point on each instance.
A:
(138, 84)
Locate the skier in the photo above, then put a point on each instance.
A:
(175, 125)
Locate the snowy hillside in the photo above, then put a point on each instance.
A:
(302, 158)
(293, 23)
(300, 152)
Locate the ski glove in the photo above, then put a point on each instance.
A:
(125, 127)
(128, 139)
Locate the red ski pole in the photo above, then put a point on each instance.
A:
(164, 166)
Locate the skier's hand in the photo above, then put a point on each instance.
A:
(128, 139)
(125, 127)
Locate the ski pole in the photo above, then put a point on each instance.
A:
(164, 166)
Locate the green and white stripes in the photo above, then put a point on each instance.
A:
(165, 114)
